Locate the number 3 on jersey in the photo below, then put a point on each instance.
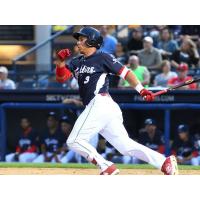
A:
(87, 78)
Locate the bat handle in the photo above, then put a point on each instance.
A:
(160, 92)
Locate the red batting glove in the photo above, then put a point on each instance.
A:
(63, 54)
(147, 95)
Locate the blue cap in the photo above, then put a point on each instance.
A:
(65, 118)
(183, 128)
(150, 121)
(52, 114)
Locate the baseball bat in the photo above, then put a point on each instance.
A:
(188, 82)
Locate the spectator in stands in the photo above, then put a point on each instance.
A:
(26, 150)
(149, 56)
(183, 147)
(109, 41)
(135, 43)
(188, 53)
(141, 72)
(120, 54)
(163, 78)
(182, 77)
(5, 82)
(192, 30)
(166, 44)
(51, 141)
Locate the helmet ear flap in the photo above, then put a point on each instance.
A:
(94, 43)
(90, 43)
(94, 39)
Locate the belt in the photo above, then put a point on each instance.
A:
(104, 94)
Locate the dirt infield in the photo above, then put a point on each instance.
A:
(74, 171)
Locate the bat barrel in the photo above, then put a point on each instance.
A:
(160, 92)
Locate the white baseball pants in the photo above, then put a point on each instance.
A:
(23, 157)
(41, 158)
(102, 115)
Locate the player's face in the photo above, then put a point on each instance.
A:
(65, 128)
(51, 122)
(24, 123)
(151, 128)
(183, 135)
(81, 44)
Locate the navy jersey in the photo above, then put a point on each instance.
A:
(153, 143)
(27, 140)
(52, 142)
(184, 149)
(92, 73)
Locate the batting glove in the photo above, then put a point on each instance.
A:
(63, 54)
(147, 95)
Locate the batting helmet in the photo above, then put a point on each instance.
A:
(94, 38)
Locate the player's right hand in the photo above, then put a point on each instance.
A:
(147, 95)
(63, 54)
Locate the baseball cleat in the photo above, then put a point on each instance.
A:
(111, 170)
(170, 166)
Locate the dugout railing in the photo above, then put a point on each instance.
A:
(166, 108)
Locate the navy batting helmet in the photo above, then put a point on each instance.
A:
(94, 38)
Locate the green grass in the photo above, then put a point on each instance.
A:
(84, 166)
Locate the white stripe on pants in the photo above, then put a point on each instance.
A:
(103, 115)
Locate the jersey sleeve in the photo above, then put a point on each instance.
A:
(114, 66)
(71, 65)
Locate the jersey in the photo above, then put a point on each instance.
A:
(27, 142)
(154, 143)
(184, 149)
(92, 73)
(52, 142)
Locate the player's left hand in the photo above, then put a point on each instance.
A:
(147, 95)
(63, 54)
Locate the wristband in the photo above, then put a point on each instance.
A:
(139, 87)
(123, 72)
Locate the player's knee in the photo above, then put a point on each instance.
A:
(70, 143)
(195, 161)
(22, 158)
(8, 158)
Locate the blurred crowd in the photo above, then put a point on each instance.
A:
(160, 56)
(50, 144)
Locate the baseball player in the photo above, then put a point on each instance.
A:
(184, 147)
(26, 150)
(69, 155)
(101, 114)
(50, 141)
